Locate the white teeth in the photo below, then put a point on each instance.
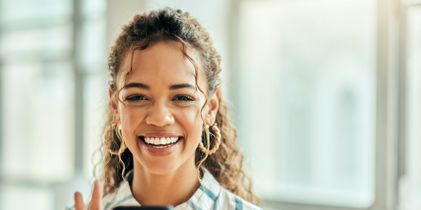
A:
(160, 141)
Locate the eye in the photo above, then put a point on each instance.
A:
(183, 98)
(135, 97)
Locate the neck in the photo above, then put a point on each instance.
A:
(171, 188)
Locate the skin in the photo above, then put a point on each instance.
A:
(162, 110)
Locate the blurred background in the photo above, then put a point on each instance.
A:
(326, 96)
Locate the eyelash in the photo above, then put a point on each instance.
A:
(183, 98)
(135, 97)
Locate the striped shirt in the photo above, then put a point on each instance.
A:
(209, 196)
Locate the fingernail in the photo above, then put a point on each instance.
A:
(75, 194)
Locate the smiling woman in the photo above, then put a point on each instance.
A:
(160, 101)
(168, 139)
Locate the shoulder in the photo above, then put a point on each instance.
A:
(122, 196)
(228, 200)
(223, 198)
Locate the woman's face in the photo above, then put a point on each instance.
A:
(159, 110)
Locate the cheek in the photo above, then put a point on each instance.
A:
(128, 118)
(192, 122)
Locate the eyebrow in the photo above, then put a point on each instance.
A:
(182, 85)
(171, 87)
(136, 84)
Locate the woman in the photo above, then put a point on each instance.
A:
(168, 139)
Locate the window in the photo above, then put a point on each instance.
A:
(410, 183)
(52, 79)
(322, 93)
(308, 119)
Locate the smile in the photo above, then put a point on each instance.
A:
(160, 141)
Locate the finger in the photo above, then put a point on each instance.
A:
(96, 196)
(79, 205)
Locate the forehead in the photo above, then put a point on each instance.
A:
(161, 63)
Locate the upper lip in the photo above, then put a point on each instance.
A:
(160, 135)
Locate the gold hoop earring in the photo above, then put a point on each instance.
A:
(217, 140)
(118, 132)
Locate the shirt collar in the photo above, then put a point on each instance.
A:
(206, 195)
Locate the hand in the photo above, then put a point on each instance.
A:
(96, 198)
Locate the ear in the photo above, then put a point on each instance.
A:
(213, 106)
(114, 105)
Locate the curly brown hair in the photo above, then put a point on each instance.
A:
(168, 24)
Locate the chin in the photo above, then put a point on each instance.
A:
(165, 165)
(159, 168)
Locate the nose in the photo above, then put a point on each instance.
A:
(160, 116)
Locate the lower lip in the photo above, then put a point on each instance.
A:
(160, 150)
